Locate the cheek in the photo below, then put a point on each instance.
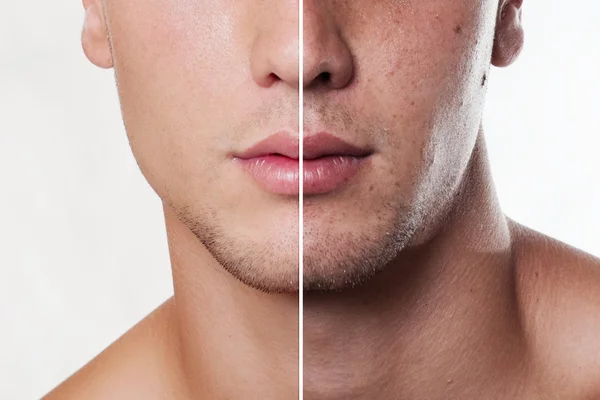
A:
(426, 52)
(166, 49)
(431, 66)
(423, 88)
(174, 73)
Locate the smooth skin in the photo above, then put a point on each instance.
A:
(196, 84)
(417, 286)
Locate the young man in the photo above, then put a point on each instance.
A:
(204, 86)
(416, 284)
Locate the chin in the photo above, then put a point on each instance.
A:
(338, 256)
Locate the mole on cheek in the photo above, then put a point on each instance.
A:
(458, 29)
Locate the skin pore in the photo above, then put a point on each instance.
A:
(416, 284)
(421, 228)
(416, 105)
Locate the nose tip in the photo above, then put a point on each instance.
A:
(327, 60)
(333, 71)
(275, 57)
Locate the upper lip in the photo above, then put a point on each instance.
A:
(317, 145)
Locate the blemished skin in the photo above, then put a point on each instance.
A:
(416, 285)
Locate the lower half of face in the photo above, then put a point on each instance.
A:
(249, 231)
(190, 103)
(416, 101)
(392, 203)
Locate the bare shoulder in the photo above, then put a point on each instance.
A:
(139, 365)
(558, 287)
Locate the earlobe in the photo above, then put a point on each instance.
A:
(94, 36)
(509, 37)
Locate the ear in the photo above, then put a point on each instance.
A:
(508, 40)
(94, 36)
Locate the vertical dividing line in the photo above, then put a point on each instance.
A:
(301, 201)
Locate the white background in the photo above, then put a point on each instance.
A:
(83, 252)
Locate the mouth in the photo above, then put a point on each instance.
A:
(328, 163)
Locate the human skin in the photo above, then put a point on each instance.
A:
(199, 81)
(462, 303)
(411, 89)
(417, 286)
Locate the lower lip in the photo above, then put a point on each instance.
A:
(279, 174)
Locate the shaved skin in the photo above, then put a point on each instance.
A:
(416, 285)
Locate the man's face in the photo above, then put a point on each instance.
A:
(410, 88)
(402, 81)
(201, 81)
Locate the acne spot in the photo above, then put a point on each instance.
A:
(458, 29)
(484, 80)
(412, 103)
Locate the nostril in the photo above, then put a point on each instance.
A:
(324, 77)
(273, 78)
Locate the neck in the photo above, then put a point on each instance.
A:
(233, 340)
(440, 311)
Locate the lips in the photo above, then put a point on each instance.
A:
(328, 163)
(280, 143)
